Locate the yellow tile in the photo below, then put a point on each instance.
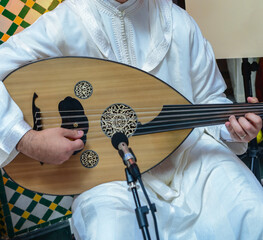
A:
(41, 221)
(18, 20)
(68, 213)
(5, 180)
(25, 214)
(10, 206)
(37, 198)
(53, 206)
(16, 230)
(5, 37)
(20, 190)
(30, 3)
(1, 9)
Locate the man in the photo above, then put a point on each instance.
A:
(202, 191)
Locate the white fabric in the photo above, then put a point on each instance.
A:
(217, 201)
(72, 30)
(189, 187)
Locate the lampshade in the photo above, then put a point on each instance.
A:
(234, 28)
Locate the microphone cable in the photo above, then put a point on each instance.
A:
(120, 142)
(151, 206)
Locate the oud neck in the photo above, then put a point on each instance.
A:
(176, 117)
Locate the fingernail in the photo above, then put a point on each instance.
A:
(79, 132)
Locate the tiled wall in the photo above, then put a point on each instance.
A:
(22, 210)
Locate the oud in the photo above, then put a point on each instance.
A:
(101, 98)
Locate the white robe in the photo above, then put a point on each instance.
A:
(202, 191)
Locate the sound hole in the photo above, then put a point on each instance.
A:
(83, 89)
(119, 118)
(89, 159)
(73, 116)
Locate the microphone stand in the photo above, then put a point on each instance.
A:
(120, 142)
(141, 211)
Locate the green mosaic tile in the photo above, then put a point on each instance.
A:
(45, 202)
(3, 199)
(5, 175)
(28, 193)
(11, 185)
(20, 223)
(45, 224)
(33, 219)
(17, 211)
(38, 8)
(47, 215)
(22, 231)
(6, 210)
(24, 12)
(31, 206)
(9, 224)
(61, 210)
(53, 5)
(4, 2)
(12, 29)
(55, 221)
(58, 199)
(14, 198)
(24, 24)
(9, 15)
(1, 34)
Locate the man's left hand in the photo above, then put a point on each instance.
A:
(246, 128)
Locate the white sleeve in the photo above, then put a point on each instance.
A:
(36, 42)
(208, 85)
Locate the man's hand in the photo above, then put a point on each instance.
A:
(54, 145)
(245, 128)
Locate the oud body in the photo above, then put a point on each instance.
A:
(101, 97)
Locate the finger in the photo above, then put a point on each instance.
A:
(255, 120)
(252, 100)
(236, 126)
(77, 145)
(72, 134)
(247, 127)
(237, 131)
(232, 132)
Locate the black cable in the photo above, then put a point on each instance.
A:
(120, 142)
(151, 206)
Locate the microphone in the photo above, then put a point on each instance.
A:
(121, 142)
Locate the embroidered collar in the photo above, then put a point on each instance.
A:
(160, 22)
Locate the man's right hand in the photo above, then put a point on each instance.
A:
(53, 145)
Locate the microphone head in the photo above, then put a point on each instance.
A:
(117, 138)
